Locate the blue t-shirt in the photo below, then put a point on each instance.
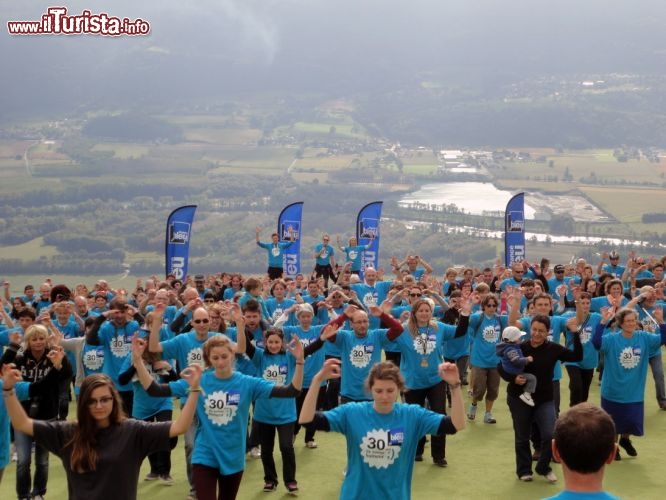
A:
(21, 389)
(381, 447)
(590, 354)
(314, 361)
(578, 495)
(279, 370)
(358, 356)
(422, 354)
(275, 309)
(486, 332)
(372, 296)
(325, 258)
(143, 405)
(264, 312)
(617, 271)
(275, 252)
(186, 349)
(354, 255)
(625, 365)
(598, 302)
(117, 343)
(222, 412)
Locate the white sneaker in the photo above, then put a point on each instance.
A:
(255, 452)
(526, 398)
(311, 444)
(551, 477)
(526, 478)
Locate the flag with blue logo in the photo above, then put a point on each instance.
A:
(178, 232)
(367, 231)
(290, 220)
(514, 230)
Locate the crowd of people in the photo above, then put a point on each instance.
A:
(379, 357)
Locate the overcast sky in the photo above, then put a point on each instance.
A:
(198, 44)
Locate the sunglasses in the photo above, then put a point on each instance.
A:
(209, 301)
(101, 401)
(199, 321)
(414, 294)
(491, 305)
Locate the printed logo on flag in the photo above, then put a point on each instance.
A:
(368, 228)
(516, 222)
(294, 225)
(179, 233)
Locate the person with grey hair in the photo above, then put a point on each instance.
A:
(626, 353)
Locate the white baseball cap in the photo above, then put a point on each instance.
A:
(512, 333)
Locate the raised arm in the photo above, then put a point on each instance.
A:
(295, 347)
(20, 420)
(426, 266)
(154, 337)
(192, 374)
(448, 372)
(331, 369)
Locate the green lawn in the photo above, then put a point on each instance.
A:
(481, 466)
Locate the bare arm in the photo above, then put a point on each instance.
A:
(154, 339)
(331, 369)
(20, 420)
(193, 376)
(448, 372)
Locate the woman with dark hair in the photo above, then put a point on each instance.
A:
(18, 304)
(382, 435)
(102, 451)
(545, 355)
(614, 297)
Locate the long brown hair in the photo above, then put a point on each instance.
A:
(84, 440)
(412, 325)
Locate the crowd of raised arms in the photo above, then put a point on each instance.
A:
(335, 350)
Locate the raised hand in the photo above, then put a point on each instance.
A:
(295, 347)
(55, 355)
(138, 347)
(329, 331)
(192, 374)
(10, 375)
(330, 369)
(448, 372)
(607, 314)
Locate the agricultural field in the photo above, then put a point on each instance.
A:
(599, 163)
(627, 204)
(124, 151)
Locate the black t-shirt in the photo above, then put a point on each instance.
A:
(545, 357)
(120, 451)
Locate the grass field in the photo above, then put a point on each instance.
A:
(627, 204)
(223, 136)
(123, 150)
(481, 466)
(582, 164)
